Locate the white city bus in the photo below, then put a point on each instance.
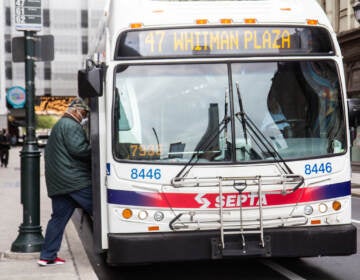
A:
(219, 130)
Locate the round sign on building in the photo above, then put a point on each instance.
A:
(16, 97)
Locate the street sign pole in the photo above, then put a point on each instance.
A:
(30, 238)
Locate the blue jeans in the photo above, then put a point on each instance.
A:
(63, 207)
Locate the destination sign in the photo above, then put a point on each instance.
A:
(223, 41)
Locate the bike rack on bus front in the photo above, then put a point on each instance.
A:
(192, 220)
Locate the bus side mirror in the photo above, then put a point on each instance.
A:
(354, 111)
(90, 82)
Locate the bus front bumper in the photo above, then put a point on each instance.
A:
(132, 248)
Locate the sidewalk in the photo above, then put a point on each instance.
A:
(23, 265)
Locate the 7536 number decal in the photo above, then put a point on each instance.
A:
(143, 173)
(324, 167)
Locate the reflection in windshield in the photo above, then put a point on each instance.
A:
(174, 113)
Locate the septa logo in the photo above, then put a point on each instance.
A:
(235, 200)
(202, 200)
(230, 200)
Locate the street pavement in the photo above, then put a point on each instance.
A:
(23, 265)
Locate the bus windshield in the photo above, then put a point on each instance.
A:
(176, 112)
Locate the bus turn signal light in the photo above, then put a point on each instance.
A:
(127, 213)
(336, 205)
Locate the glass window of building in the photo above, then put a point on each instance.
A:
(8, 16)
(46, 17)
(84, 19)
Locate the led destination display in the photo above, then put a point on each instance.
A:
(223, 41)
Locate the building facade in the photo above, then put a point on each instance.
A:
(71, 23)
(341, 15)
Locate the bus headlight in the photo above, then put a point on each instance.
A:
(308, 210)
(158, 216)
(142, 215)
(323, 207)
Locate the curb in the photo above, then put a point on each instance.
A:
(81, 260)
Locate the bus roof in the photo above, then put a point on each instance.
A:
(120, 14)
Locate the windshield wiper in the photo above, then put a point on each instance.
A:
(202, 147)
(256, 133)
(242, 112)
(248, 123)
(264, 142)
(210, 135)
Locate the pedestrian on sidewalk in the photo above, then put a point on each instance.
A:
(4, 147)
(67, 175)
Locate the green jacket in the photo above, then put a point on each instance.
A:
(67, 158)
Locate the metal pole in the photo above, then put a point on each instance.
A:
(30, 238)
